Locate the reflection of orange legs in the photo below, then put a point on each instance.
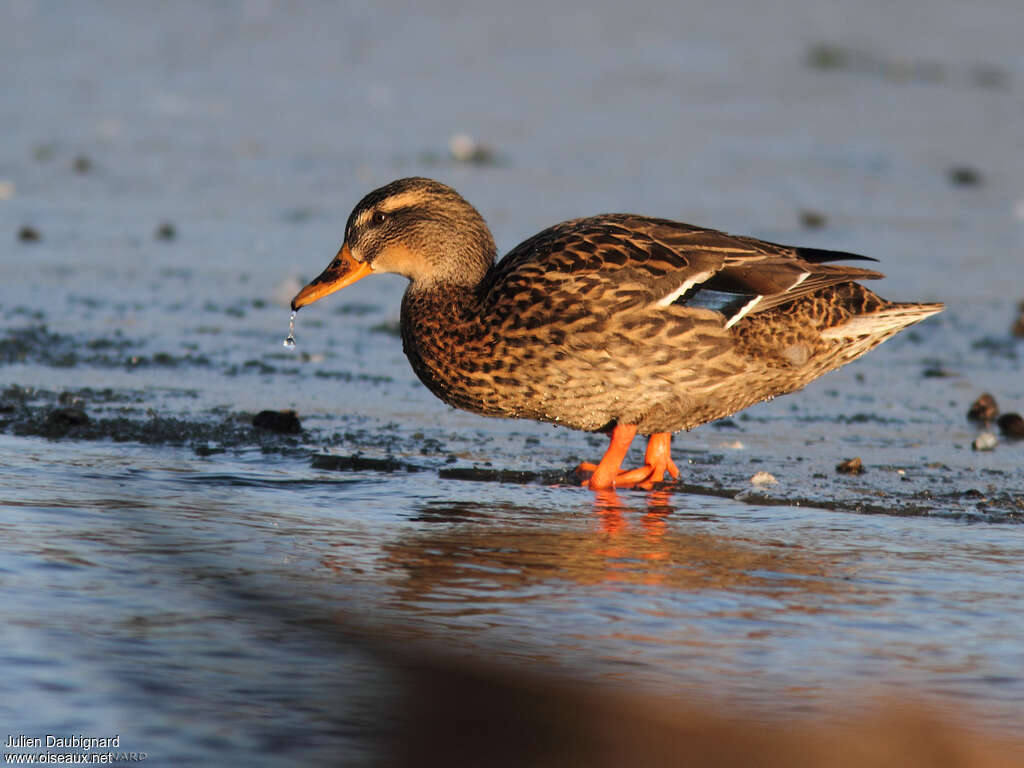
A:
(657, 461)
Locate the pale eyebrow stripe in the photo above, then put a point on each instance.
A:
(404, 200)
(391, 204)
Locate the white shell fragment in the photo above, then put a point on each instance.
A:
(986, 441)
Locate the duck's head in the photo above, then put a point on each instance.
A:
(415, 227)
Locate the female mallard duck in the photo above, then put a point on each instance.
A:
(615, 323)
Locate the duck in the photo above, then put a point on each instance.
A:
(618, 323)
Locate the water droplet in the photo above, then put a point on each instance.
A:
(289, 343)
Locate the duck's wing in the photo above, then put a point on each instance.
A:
(621, 261)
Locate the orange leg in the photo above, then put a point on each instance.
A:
(659, 458)
(607, 472)
(657, 461)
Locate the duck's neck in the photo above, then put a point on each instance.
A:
(440, 313)
(465, 258)
(444, 335)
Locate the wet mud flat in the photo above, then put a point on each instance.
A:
(191, 355)
(895, 471)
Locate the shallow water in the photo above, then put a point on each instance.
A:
(208, 589)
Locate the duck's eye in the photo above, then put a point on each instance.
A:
(379, 217)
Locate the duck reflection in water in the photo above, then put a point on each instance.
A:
(478, 554)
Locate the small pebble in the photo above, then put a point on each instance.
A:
(29, 234)
(43, 153)
(964, 176)
(1018, 327)
(828, 56)
(166, 231)
(282, 422)
(68, 398)
(763, 478)
(82, 164)
(852, 466)
(68, 417)
(7, 189)
(986, 441)
(1011, 425)
(984, 409)
(988, 76)
(465, 149)
(812, 219)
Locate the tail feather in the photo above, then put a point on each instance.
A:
(883, 322)
(820, 256)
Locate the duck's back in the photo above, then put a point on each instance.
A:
(628, 319)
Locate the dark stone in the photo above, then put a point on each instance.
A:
(81, 164)
(360, 464)
(29, 234)
(1018, 326)
(282, 422)
(964, 176)
(1011, 425)
(725, 424)
(478, 474)
(166, 231)
(60, 420)
(852, 466)
(984, 409)
(828, 56)
(812, 219)
(43, 153)
(988, 76)
(204, 449)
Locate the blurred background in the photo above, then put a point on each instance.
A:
(215, 592)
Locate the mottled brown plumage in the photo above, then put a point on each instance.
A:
(608, 323)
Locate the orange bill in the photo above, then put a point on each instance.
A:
(343, 270)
